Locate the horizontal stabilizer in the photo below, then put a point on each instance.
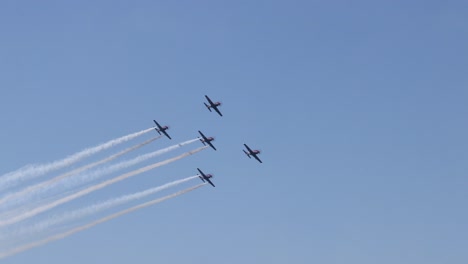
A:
(207, 106)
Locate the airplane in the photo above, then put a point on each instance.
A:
(162, 129)
(213, 105)
(253, 153)
(205, 177)
(206, 140)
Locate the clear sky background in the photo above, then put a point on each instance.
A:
(359, 107)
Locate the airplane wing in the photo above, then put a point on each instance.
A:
(201, 134)
(211, 145)
(208, 180)
(257, 158)
(209, 100)
(167, 135)
(250, 151)
(217, 110)
(157, 124)
(201, 172)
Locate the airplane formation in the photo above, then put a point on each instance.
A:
(207, 140)
(42, 190)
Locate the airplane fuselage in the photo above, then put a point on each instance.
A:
(164, 128)
(208, 139)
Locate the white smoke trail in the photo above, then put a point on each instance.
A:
(19, 210)
(95, 208)
(79, 179)
(31, 190)
(93, 188)
(122, 165)
(99, 221)
(31, 171)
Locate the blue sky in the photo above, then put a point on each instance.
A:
(359, 107)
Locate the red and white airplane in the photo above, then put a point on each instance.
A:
(205, 177)
(252, 153)
(206, 140)
(213, 105)
(161, 129)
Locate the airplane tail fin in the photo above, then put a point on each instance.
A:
(207, 106)
(248, 155)
(157, 130)
(201, 178)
